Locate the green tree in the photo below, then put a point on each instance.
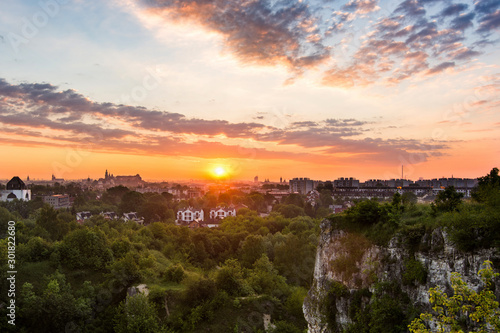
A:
(114, 195)
(294, 199)
(368, 212)
(252, 249)
(465, 311)
(409, 198)
(265, 279)
(290, 210)
(136, 314)
(230, 278)
(50, 221)
(448, 200)
(488, 188)
(56, 306)
(131, 202)
(325, 197)
(155, 212)
(85, 248)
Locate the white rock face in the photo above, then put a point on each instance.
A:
(385, 264)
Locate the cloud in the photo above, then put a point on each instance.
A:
(463, 22)
(258, 32)
(441, 67)
(453, 9)
(40, 105)
(489, 22)
(361, 6)
(33, 114)
(375, 45)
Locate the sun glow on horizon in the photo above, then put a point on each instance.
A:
(220, 172)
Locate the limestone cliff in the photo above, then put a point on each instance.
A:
(414, 264)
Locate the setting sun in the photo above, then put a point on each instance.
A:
(220, 171)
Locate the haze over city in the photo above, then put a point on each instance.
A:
(195, 89)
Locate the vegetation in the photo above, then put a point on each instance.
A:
(74, 277)
(465, 310)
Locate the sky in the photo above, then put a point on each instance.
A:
(321, 89)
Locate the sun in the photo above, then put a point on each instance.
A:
(220, 171)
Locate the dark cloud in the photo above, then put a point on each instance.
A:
(411, 8)
(454, 9)
(305, 124)
(489, 22)
(463, 22)
(41, 102)
(441, 67)
(345, 122)
(486, 6)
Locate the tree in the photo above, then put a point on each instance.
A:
(265, 279)
(168, 196)
(409, 198)
(114, 195)
(448, 200)
(230, 278)
(56, 306)
(252, 249)
(488, 188)
(368, 212)
(131, 202)
(85, 248)
(50, 221)
(137, 314)
(290, 211)
(294, 199)
(155, 211)
(326, 198)
(465, 310)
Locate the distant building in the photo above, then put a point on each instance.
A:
(15, 189)
(312, 197)
(188, 215)
(58, 201)
(346, 182)
(57, 180)
(83, 216)
(302, 185)
(110, 215)
(221, 213)
(110, 180)
(256, 179)
(278, 194)
(133, 217)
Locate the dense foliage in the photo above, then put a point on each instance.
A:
(76, 277)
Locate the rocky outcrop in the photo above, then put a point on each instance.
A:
(415, 264)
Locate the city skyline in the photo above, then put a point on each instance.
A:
(195, 90)
(218, 177)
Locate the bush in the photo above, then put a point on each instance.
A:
(414, 272)
(175, 274)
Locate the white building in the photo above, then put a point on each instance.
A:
(16, 189)
(221, 213)
(189, 214)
